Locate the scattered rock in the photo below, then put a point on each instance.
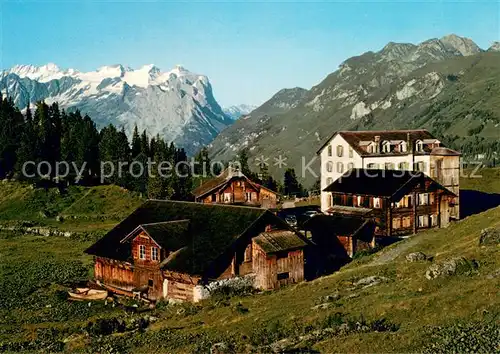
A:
(453, 266)
(490, 236)
(329, 298)
(281, 345)
(181, 311)
(219, 348)
(416, 257)
(493, 275)
(371, 281)
(352, 296)
(322, 306)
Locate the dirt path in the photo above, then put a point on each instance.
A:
(388, 255)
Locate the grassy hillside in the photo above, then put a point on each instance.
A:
(81, 208)
(405, 312)
(486, 180)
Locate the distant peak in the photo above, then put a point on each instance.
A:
(495, 47)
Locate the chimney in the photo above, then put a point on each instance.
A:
(377, 143)
(409, 143)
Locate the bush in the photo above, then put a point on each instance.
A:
(477, 337)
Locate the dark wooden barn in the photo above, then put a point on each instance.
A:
(166, 249)
(400, 202)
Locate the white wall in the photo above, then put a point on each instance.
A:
(344, 159)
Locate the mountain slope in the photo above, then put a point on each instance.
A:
(234, 138)
(235, 112)
(177, 104)
(447, 85)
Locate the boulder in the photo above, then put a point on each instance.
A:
(490, 236)
(371, 281)
(450, 267)
(416, 257)
(219, 348)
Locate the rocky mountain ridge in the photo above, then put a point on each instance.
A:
(177, 104)
(446, 85)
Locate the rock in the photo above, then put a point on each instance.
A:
(494, 275)
(416, 257)
(323, 306)
(59, 218)
(281, 345)
(330, 298)
(219, 348)
(352, 296)
(453, 266)
(490, 236)
(371, 280)
(42, 215)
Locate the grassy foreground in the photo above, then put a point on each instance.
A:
(404, 313)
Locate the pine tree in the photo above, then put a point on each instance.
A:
(291, 186)
(136, 143)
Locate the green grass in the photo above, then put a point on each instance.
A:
(36, 269)
(406, 314)
(82, 208)
(484, 180)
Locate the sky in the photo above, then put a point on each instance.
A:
(249, 50)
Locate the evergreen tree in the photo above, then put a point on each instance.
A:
(136, 143)
(145, 144)
(26, 149)
(291, 186)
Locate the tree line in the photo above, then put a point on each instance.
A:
(51, 135)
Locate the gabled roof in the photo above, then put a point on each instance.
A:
(213, 228)
(277, 241)
(170, 235)
(381, 183)
(354, 138)
(221, 180)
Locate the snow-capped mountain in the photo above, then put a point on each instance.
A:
(237, 111)
(177, 104)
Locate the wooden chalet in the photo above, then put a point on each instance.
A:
(336, 238)
(400, 202)
(169, 249)
(233, 187)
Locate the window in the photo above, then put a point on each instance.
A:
(423, 221)
(351, 152)
(376, 203)
(282, 276)
(340, 150)
(434, 220)
(403, 166)
(419, 146)
(389, 166)
(330, 200)
(248, 254)
(396, 223)
(329, 181)
(227, 197)
(350, 166)
(150, 283)
(372, 166)
(420, 166)
(142, 252)
(403, 146)
(329, 166)
(423, 199)
(154, 254)
(406, 222)
(249, 196)
(340, 167)
(386, 146)
(214, 197)
(329, 150)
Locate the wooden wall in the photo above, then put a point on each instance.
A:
(114, 273)
(269, 268)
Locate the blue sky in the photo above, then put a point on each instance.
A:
(248, 50)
